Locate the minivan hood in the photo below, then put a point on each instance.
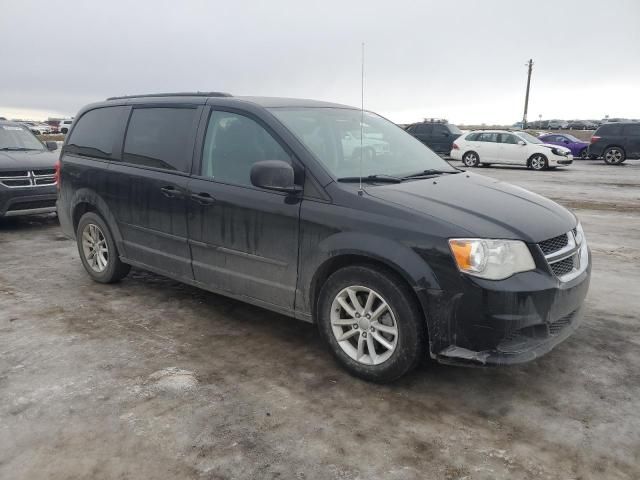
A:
(482, 206)
(29, 160)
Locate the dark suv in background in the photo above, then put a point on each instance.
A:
(266, 200)
(27, 172)
(438, 135)
(615, 142)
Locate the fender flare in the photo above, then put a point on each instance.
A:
(86, 195)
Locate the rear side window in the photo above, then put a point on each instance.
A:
(97, 131)
(473, 137)
(233, 144)
(488, 137)
(632, 130)
(161, 138)
(610, 129)
(423, 128)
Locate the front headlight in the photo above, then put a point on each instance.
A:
(491, 259)
(579, 234)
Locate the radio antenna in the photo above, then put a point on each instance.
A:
(361, 118)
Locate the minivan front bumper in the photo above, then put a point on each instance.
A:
(506, 322)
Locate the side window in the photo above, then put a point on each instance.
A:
(488, 137)
(423, 128)
(472, 137)
(161, 138)
(97, 132)
(232, 145)
(440, 130)
(508, 138)
(632, 129)
(609, 129)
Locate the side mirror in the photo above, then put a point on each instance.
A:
(274, 175)
(51, 146)
(566, 141)
(522, 142)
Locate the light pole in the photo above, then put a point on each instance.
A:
(526, 98)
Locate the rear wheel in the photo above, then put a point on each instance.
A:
(614, 156)
(98, 250)
(471, 159)
(371, 322)
(539, 162)
(584, 154)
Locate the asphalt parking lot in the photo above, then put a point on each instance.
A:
(153, 379)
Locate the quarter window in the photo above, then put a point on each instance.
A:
(161, 138)
(632, 129)
(232, 145)
(97, 132)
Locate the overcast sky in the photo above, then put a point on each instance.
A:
(461, 60)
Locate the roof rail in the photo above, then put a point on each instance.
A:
(175, 94)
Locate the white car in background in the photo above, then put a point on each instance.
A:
(64, 126)
(484, 147)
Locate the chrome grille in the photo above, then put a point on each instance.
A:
(554, 244)
(563, 266)
(28, 178)
(563, 255)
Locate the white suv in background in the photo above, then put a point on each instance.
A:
(64, 126)
(484, 147)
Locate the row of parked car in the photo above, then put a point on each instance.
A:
(570, 124)
(614, 142)
(46, 128)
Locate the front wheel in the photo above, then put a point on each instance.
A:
(584, 154)
(539, 162)
(614, 156)
(471, 159)
(371, 322)
(98, 250)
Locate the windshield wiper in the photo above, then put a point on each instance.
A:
(372, 178)
(429, 172)
(15, 149)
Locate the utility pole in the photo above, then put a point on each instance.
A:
(526, 98)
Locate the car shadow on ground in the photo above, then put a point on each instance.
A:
(27, 223)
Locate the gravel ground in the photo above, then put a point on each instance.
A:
(152, 379)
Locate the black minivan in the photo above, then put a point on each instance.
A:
(395, 255)
(615, 142)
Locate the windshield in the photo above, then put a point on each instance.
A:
(333, 136)
(16, 137)
(528, 138)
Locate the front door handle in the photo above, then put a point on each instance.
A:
(203, 198)
(171, 192)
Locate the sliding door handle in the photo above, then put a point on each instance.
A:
(171, 192)
(203, 198)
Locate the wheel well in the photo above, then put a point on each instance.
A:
(336, 263)
(614, 146)
(79, 210)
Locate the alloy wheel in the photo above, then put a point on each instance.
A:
(613, 156)
(538, 162)
(470, 159)
(364, 325)
(95, 248)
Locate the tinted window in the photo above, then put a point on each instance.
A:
(632, 129)
(473, 137)
(97, 132)
(508, 138)
(423, 128)
(610, 129)
(233, 144)
(440, 129)
(488, 137)
(161, 138)
(454, 129)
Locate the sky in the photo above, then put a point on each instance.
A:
(459, 60)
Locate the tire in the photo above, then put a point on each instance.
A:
(614, 156)
(471, 159)
(104, 267)
(403, 350)
(539, 162)
(584, 154)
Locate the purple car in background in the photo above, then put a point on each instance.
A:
(579, 148)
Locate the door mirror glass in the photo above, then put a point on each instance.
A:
(274, 175)
(51, 146)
